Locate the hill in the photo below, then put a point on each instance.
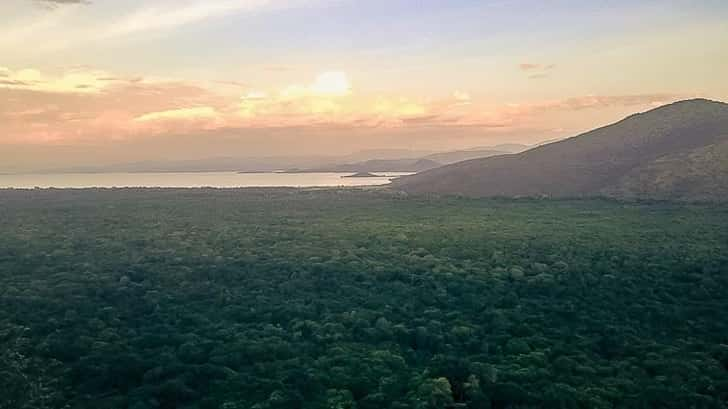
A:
(700, 174)
(418, 164)
(508, 147)
(446, 158)
(676, 152)
(377, 165)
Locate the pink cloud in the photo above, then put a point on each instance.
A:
(113, 108)
(529, 66)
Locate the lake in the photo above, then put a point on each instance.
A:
(190, 179)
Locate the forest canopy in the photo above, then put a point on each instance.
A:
(344, 299)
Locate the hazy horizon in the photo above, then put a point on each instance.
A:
(88, 83)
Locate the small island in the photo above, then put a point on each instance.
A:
(362, 175)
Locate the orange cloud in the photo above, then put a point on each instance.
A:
(83, 104)
(179, 114)
(71, 81)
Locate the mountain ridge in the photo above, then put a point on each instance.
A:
(589, 164)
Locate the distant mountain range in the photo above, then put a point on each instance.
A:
(381, 160)
(419, 164)
(376, 165)
(675, 152)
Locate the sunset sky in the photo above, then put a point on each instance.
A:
(106, 81)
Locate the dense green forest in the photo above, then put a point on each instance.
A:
(343, 299)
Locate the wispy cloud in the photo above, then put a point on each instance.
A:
(179, 114)
(606, 101)
(62, 2)
(71, 81)
(127, 23)
(36, 28)
(527, 66)
(536, 70)
(170, 15)
(594, 102)
(173, 15)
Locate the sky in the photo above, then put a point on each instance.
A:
(109, 81)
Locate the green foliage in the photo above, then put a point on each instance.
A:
(346, 299)
(434, 394)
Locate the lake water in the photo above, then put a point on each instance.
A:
(191, 179)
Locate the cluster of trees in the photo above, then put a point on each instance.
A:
(339, 299)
